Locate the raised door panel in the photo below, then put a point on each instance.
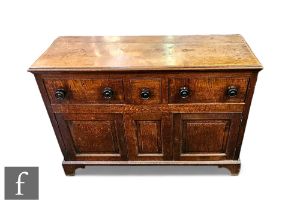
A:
(205, 136)
(149, 136)
(197, 136)
(93, 136)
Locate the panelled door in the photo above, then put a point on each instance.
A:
(93, 136)
(149, 136)
(205, 136)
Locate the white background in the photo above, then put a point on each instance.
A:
(270, 154)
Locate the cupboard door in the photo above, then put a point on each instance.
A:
(205, 136)
(93, 136)
(148, 136)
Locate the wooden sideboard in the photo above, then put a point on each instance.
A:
(148, 100)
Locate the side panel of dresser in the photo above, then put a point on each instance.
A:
(62, 143)
(248, 100)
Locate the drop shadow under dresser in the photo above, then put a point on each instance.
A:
(148, 100)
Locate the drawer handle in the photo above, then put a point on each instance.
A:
(60, 94)
(232, 91)
(107, 93)
(184, 92)
(145, 93)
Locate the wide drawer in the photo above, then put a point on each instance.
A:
(208, 90)
(81, 91)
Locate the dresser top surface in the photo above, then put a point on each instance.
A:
(113, 53)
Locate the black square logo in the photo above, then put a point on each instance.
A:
(21, 183)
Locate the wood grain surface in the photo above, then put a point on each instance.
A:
(113, 53)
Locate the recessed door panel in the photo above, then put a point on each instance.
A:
(149, 136)
(94, 136)
(205, 136)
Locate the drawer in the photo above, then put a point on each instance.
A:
(208, 90)
(143, 91)
(81, 91)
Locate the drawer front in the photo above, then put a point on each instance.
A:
(208, 90)
(143, 91)
(78, 91)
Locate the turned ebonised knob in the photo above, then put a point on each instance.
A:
(145, 93)
(107, 93)
(184, 92)
(232, 91)
(60, 94)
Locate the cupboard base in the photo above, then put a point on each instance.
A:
(232, 165)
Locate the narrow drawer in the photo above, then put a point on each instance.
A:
(208, 90)
(143, 91)
(83, 91)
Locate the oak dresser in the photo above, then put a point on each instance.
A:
(148, 100)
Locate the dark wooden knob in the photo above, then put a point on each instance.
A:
(184, 92)
(232, 91)
(145, 93)
(107, 93)
(60, 94)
